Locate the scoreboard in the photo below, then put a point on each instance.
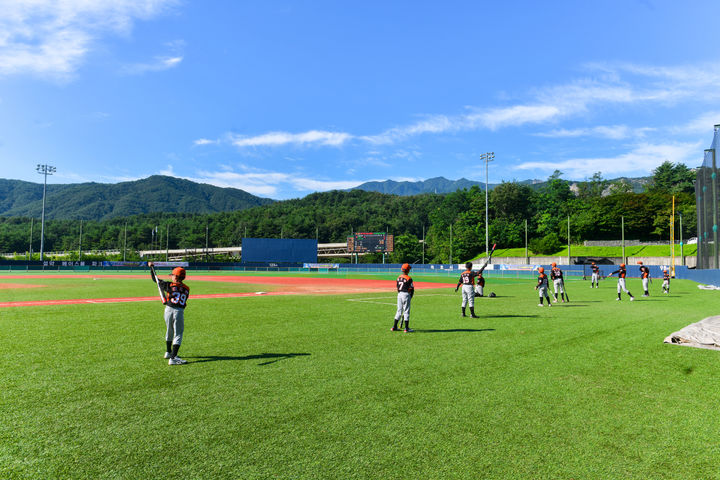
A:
(370, 242)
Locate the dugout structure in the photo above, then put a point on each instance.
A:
(278, 251)
(707, 193)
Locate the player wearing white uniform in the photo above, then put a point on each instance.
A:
(595, 278)
(406, 290)
(556, 276)
(467, 280)
(622, 273)
(645, 276)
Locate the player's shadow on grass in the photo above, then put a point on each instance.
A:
(456, 330)
(272, 357)
(512, 316)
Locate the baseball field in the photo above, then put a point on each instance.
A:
(299, 377)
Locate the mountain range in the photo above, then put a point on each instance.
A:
(101, 201)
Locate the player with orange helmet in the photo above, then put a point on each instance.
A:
(542, 287)
(174, 295)
(406, 290)
(556, 276)
(622, 273)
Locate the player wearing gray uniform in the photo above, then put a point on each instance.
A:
(406, 290)
(542, 287)
(175, 296)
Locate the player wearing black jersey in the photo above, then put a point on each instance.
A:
(666, 281)
(467, 280)
(622, 273)
(556, 275)
(406, 290)
(542, 287)
(175, 296)
(595, 279)
(645, 277)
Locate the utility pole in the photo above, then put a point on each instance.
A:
(80, 244)
(487, 157)
(44, 170)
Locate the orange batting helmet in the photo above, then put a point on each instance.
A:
(622, 265)
(541, 270)
(179, 272)
(639, 262)
(554, 264)
(405, 267)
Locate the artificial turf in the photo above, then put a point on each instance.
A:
(318, 387)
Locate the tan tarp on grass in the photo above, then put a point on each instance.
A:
(703, 334)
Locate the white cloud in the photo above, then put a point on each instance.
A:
(52, 38)
(275, 139)
(157, 65)
(642, 159)
(613, 132)
(702, 125)
(204, 141)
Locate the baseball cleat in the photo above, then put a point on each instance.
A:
(632, 298)
(394, 329)
(409, 330)
(540, 304)
(475, 316)
(167, 354)
(177, 361)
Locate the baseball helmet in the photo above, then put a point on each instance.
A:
(180, 272)
(541, 270)
(639, 262)
(468, 265)
(592, 263)
(553, 264)
(622, 265)
(405, 267)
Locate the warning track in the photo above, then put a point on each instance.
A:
(279, 286)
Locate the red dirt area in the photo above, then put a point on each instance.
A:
(10, 286)
(278, 286)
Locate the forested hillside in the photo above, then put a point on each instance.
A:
(100, 201)
(333, 216)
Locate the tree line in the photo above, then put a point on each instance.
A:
(451, 224)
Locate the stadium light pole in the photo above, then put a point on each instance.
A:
(487, 157)
(44, 170)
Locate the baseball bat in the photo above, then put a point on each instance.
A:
(157, 282)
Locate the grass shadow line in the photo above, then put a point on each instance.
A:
(455, 330)
(261, 356)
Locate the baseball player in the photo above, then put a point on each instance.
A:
(556, 276)
(480, 288)
(645, 276)
(622, 273)
(666, 281)
(405, 290)
(175, 296)
(467, 280)
(542, 287)
(595, 278)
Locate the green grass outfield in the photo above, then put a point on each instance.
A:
(317, 387)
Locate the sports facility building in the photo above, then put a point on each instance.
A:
(707, 190)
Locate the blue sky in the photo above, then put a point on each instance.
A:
(285, 98)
